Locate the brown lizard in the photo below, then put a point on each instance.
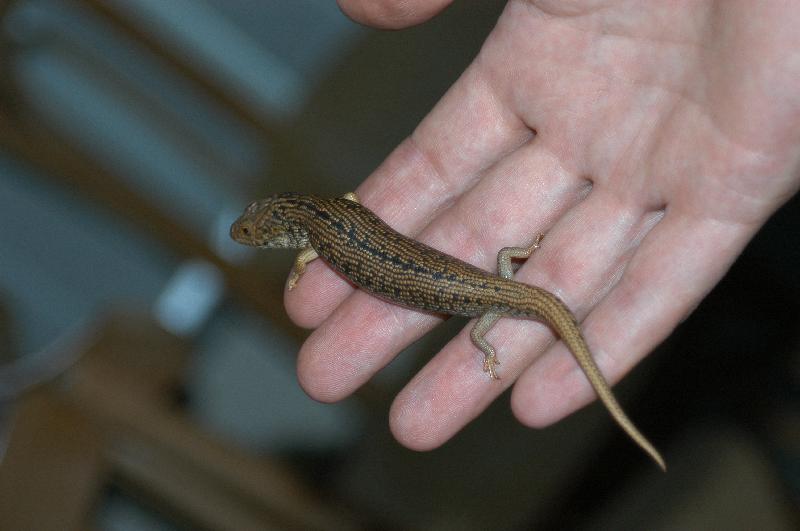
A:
(376, 258)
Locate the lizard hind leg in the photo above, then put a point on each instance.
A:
(505, 255)
(485, 322)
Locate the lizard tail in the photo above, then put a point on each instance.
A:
(552, 311)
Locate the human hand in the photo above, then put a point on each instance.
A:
(665, 135)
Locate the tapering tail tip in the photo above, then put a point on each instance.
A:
(640, 439)
(657, 458)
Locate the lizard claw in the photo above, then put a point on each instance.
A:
(293, 278)
(489, 364)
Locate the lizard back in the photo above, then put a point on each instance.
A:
(380, 260)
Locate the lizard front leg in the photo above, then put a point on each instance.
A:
(308, 254)
(303, 257)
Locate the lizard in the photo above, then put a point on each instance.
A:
(359, 245)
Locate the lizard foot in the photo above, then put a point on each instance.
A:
(489, 363)
(294, 276)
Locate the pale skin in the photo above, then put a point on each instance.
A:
(666, 133)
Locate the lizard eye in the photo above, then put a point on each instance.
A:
(245, 231)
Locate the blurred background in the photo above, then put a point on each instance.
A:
(147, 378)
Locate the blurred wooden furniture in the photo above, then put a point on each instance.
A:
(27, 137)
(110, 421)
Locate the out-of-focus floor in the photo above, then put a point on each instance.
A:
(132, 132)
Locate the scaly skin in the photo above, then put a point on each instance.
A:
(378, 259)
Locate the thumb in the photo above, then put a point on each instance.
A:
(392, 14)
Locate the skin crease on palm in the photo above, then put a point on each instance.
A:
(649, 140)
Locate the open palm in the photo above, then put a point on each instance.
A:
(650, 141)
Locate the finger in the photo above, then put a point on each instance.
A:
(371, 332)
(392, 14)
(676, 265)
(355, 342)
(575, 263)
(451, 390)
(467, 131)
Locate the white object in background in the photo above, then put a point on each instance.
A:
(189, 298)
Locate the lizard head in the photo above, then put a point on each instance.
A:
(271, 223)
